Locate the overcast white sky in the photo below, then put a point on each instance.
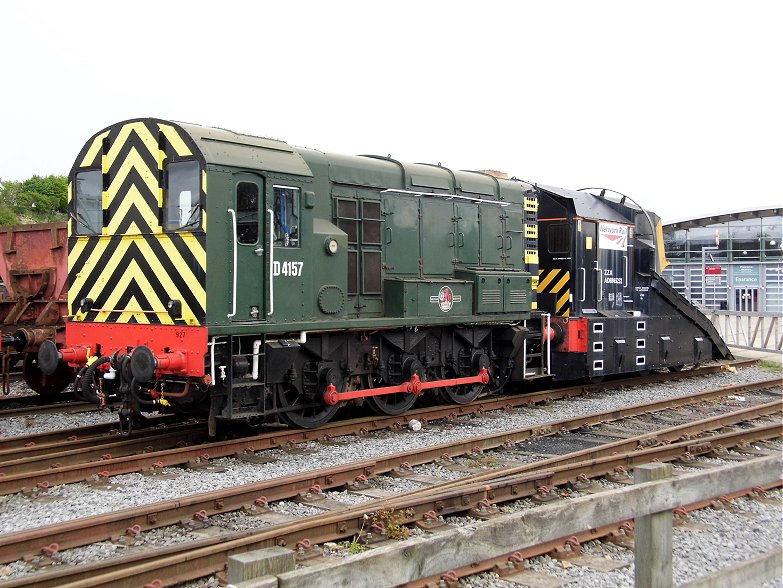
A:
(678, 104)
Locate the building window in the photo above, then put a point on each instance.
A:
(675, 243)
(772, 237)
(745, 239)
(773, 276)
(182, 198)
(88, 212)
(286, 216)
(713, 238)
(676, 276)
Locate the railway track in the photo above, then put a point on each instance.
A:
(512, 565)
(43, 464)
(32, 405)
(19, 444)
(681, 441)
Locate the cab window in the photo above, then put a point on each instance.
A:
(286, 216)
(88, 213)
(247, 213)
(182, 206)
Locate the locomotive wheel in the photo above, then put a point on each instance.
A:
(310, 416)
(388, 404)
(464, 394)
(46, 386)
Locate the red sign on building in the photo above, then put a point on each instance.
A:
(712, 270)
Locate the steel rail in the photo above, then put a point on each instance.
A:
(33, 405)
(173, 457)
(79, 451)
(72, 434)
(512, 563)
(205, 557)
(423, 414)
(81, 531)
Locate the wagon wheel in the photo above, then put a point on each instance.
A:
(463, 394)
(388, 404)
(303, 411)
(46, 386)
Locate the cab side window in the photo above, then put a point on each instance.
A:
(88, 213)
(247, 213)
(182, 198)
(286, 212)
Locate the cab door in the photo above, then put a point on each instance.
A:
(612, 262)
(248, 284)
(589, 291)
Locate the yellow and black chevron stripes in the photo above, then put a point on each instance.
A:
(132, 279)
(133, 269)
(556, 283)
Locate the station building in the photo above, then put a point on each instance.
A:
(731, 261)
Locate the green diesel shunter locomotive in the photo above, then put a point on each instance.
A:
(238, 277)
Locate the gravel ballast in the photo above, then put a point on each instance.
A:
(63, 503)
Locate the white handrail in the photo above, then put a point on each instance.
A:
(234, 240)
(548, 319)
(271, 261)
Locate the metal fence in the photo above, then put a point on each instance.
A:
(762, 331)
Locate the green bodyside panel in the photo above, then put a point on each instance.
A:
(219, 256)
(514, 241)
(401, 235)
(428, 298)
(489, 293)
(491, 229)
(517, 293)
(467, 237)
(498, 292)
(437, 237)
(308, 283)
(329, 278)
(251, 256)
(394, 271)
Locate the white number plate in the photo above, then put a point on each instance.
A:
(291, 269)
